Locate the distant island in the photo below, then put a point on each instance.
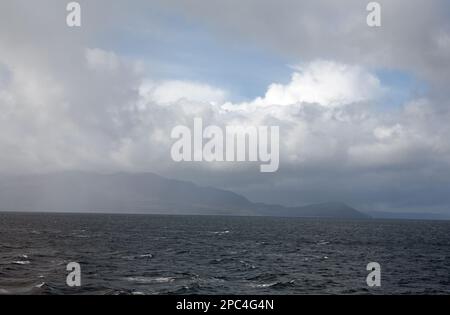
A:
(143, 193)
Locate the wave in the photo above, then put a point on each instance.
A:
(221, 232)
(145, 280)
(274, 285)
(21, 262)
(28, 288)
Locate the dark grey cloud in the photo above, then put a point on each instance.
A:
(414, 35)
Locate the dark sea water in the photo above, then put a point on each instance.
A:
(148, 254)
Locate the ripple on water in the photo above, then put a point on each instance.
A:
(21, 262)
(148, 280)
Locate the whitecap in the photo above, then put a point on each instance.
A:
(221, 232)
(164, 279)
(21, 262)
(150, 279)
(263, 285)
(146, 256)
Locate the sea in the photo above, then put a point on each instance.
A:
(157, 254)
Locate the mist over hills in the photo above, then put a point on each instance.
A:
(142, 193)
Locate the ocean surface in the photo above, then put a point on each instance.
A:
(150, 254)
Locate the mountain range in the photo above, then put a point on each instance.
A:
(142, 193)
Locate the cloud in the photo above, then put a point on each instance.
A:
(412, 36)
(67, 101)
(98, 59)
(167, 92)
(326, 83)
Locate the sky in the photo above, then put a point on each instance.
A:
(363, 112)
